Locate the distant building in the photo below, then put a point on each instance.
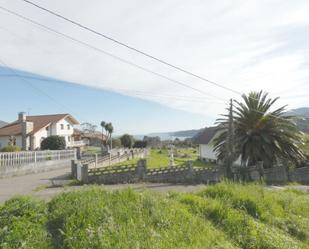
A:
(205, 140)
(95, 138)
(27, 132)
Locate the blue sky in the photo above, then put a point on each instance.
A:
(243, 45)
(128, 114)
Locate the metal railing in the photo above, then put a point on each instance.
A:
(28, 157)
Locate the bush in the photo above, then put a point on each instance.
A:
(23, 224)
(140, 144)
(10, 148)
(127, 140)
(53, 143)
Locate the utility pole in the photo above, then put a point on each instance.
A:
(230, 142)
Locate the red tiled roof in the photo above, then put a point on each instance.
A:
(96, 134)
(39, 122)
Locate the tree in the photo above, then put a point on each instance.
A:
(127, 140)
(53, 143)
(116, 142)
(154, 142)
(109, 129)
(260, 135)
(140, 144)
(88, 128)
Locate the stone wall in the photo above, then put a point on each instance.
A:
(184, 174)
(276, 175)
(139, 173)
(300, 175)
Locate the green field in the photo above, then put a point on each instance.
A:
(159, 158)
(92, 150)
(222, 216)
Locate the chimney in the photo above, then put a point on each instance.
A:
(26, 128)
(22, 117)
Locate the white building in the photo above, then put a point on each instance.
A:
(205, 139)
(29, 131)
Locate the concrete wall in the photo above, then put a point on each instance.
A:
(39, 136)
(136, 173)
(33, 168)
(300, 175)
(185, 174)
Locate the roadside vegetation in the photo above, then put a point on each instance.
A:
(227, 216)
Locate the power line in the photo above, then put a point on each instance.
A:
(36, 88)
(110, 54)
(131, 92)
(125, 45)
(131, 48)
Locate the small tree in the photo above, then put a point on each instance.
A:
(109, 129)
(127, 140)
(53, 143)
(140, 144)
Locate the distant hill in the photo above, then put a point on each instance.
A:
(301, 117)
(2, 123)
(303, 111)
(172, 135)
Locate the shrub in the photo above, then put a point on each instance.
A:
(22, 224)
(140, 144)
(127, 140)
(53, 143)
(10, 148)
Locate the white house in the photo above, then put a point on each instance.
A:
(29, 131)
(205, 139)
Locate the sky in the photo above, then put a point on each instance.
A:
(242, 45)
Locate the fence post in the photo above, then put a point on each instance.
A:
(141, 169)
(73, 168)
(96, 160)
(190, 175)
(78, 153)
(84, 173)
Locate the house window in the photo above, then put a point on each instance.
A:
(69, 138)
(62, 126)
(47, 128)
(69, 127)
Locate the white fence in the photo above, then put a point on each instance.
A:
(28, 157)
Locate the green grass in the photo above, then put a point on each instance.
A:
(159, 158)
(92, 149)
(222, 216)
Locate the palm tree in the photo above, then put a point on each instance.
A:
(109, 129)
(103, 124)
(260, 135)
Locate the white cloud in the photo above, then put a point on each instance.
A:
(245, 45)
